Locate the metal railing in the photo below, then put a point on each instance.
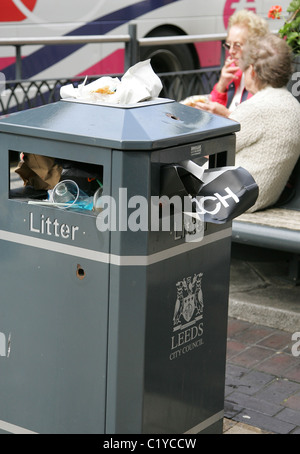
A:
(132, 43)
(21, 94)
(18, 43)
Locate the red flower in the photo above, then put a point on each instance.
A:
(274, 12)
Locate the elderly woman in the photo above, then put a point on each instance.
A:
(268, 144)
(230, 89)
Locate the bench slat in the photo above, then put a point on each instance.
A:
(266, 236)
(273, 217)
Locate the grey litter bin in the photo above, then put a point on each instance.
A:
(115, 331)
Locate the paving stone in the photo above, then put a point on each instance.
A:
(278, 341)
(289, 415)
(265, 422)
(262, 386)
(278, 391)
(231, 409)
(228, 390)
(253, 382)
(293, 402)
(235, 326)
(294, 373)
(277, 365)
(233, 377)
(247, 402)
(251, 356)
(228, 424)
(253, 335)
(231, 385)
(233, 348)
(232, 427)
(235, 370)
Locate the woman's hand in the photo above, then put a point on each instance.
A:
(227, 74)
(213, 107)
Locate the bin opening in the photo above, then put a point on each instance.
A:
(149, 102)
(32, 179)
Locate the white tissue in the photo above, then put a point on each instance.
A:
(139, 83)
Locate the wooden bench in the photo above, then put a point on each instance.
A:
(275, 228)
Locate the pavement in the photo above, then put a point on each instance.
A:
(262, 393)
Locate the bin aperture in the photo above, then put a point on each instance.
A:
(73, 184)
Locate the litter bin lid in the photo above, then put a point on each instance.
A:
(150, 126)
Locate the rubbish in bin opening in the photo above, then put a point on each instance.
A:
(65, 194)
(80, 273)
(97, 202)
(77, 185)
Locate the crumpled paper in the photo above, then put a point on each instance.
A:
(139, 83)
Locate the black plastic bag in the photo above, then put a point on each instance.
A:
(218, 195)
(86, 175)
(226, 193)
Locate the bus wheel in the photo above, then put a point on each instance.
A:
(170, 59)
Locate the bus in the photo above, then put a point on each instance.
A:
(154, 18)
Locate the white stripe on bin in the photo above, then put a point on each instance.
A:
(54, 246)
(205, 424)
(168, 253)
(103, 257)
(13, 429)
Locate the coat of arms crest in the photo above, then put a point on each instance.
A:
(189, 302)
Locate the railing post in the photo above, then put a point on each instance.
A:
(223, 54)
(131, 48)
(18, 62)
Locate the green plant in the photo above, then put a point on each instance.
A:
(291, 27)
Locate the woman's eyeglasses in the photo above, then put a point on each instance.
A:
(235, 46)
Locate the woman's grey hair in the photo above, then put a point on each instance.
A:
(271, 58)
